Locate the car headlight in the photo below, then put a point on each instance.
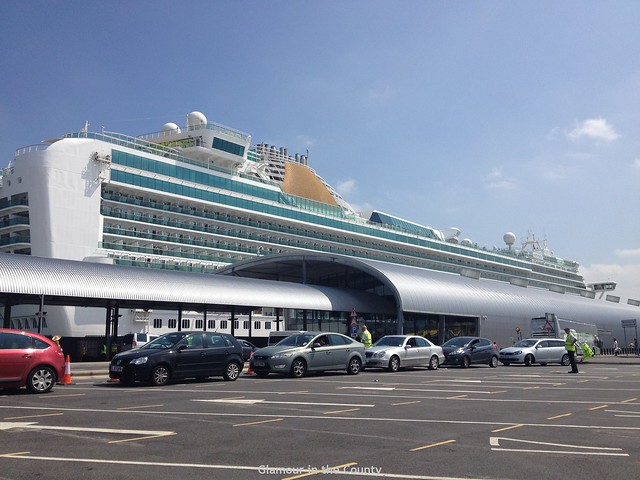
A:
(379, 354)
(282, 355)
(460, 350)
(139, 360)
(519, 352)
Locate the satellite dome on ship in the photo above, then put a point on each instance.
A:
(196, 119)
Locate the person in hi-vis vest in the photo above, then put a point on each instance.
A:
(570, 346)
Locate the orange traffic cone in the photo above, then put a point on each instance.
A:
(66, 379)
(249, 370)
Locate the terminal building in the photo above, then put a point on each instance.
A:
(306, 292)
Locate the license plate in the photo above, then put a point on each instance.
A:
(116, 369)
(258, 364)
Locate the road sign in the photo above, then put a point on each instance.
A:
(628, 323)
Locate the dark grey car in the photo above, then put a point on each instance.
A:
(309, 351)
(464, 351)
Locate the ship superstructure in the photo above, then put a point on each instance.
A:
(200, 197)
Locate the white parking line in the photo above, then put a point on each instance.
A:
(262, 469)
(425, 421)
(33, 425)
(574, 449)
(243, 401)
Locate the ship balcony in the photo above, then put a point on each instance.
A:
(17, 226)
(16, 241)
(12, 207)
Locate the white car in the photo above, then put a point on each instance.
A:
(131, 341)
(535, 350)
(395, 351)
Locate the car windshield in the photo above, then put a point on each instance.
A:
(457, 342)
(526, 343)
(296, 340)
(389, 341)
(164, 341)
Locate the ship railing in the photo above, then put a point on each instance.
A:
(141, 144)
(31, 148)
(348, 241)
(217, 127)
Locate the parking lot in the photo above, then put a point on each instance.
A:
(505, 423)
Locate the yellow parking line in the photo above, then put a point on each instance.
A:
(14, 453)
(499, 391)
(257, 423)
(507, 428)
(457, 396)
(432, 445)
(342, 411)
(629, 400)
(323, 471)
(598, 408)
(405, 403)
(560, 416)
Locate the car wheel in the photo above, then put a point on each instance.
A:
(528, 360)
(466, 361)
(354, 367)
(232, 371)
(434, 363)
(160, 375)
(41, 380)
(298, 368)
(394, 364)
(262, 374)
(493, 363)
(565, 360)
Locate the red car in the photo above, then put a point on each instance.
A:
(29, 360)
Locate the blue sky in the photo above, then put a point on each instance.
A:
(490, 116)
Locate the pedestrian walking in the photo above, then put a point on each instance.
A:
(365, 336)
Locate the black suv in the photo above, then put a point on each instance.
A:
(180, 355)
(464, 351)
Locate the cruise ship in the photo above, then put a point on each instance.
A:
(200, 197)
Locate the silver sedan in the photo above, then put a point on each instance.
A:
(395, 351)
(309, 351)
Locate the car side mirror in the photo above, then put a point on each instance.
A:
(181, 348)
(407, 346)
(316, 345)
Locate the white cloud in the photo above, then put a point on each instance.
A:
(595, 129)
(495, 180)
(636, 163)
(633, 252)
(345, 187)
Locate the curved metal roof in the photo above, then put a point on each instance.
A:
(426, 291)
(69, 282)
